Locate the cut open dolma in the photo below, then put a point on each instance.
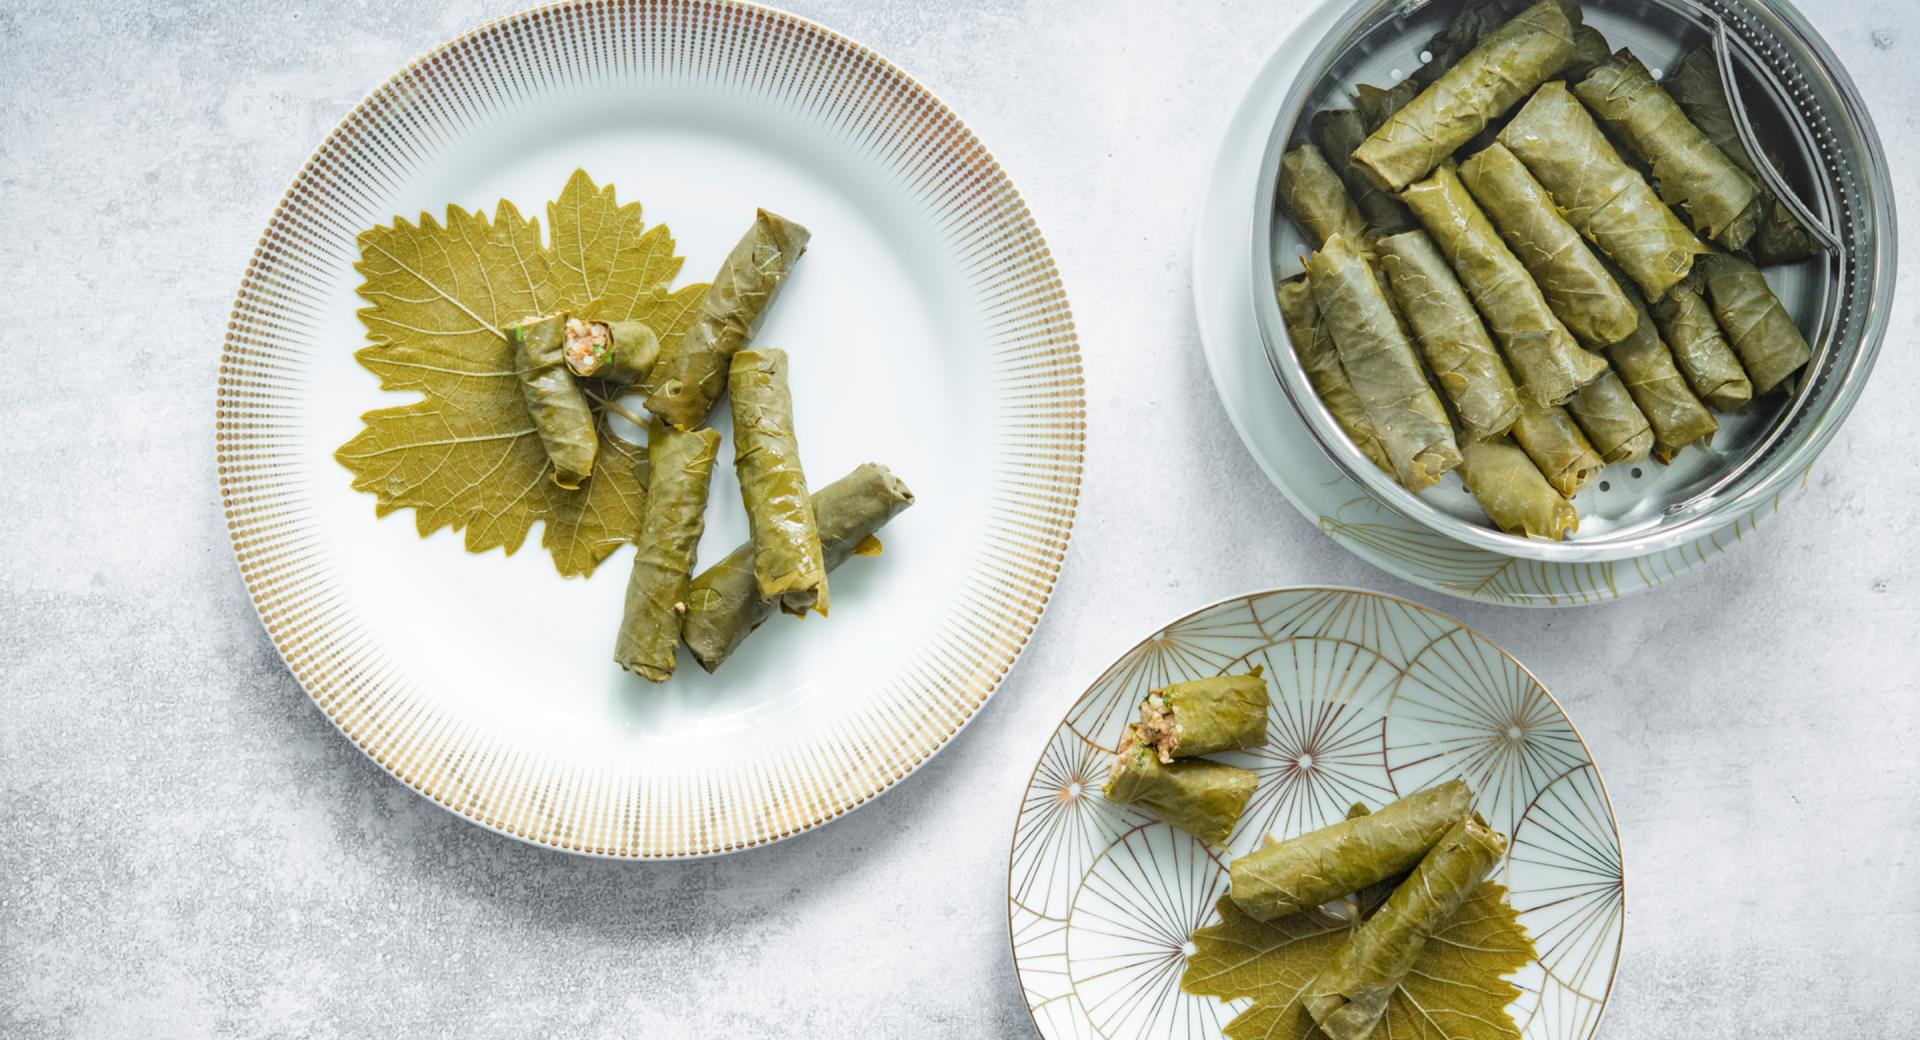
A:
(1648, 370)
(1513, 492)
(1611, 204)
(1549, 364)
(620, 351)
(1691, 172)
(1455, 344)
(1338, 132)
(1349, 996)
(1701, 351)
(724, 604)
(1301, 873)
(1763, 333)
(1200, 796)
(1313, 345)
(1316, 198)
(692, 370)
(1408, 417)
(1558, 449)
(1488, 80)
(1201, 716)
(1694, 83)
(1577, 287)
(680, 467)
(558, 409)
(1615, 426)
(788, 561)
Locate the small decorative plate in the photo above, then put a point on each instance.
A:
(1280, 442)
(928, 331)
(1373, 698)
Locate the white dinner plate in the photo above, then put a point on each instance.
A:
(1373, 698)
(928, 331)
(1281, 443)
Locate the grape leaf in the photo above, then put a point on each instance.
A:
(465, 455)
(1457, 989)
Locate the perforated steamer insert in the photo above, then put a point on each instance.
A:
(1794, 96)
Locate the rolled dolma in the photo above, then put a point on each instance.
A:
(724, 604)
(1199, 717)
(1701, 351)
(1200, 796)
(1647, 368)
(788, 561)
(680, 465)
(1349, 996)
(1513, 493)
(1763, 333)
(1315, 197)
(555, 404)
(1410, 420)
(1338, 132)
(1313, 345)
(1590, 49)
(1611, 204)
(1491, 78)
(1558, 449)
(1690, 171)
(1617, 428)
(1301, 873)
(692, 369)
(1450, 335)
(1577, 287)
(1548, 363)
(1476, 21)
(621, 351)
(1695, 85)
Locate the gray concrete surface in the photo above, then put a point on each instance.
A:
(187, 848)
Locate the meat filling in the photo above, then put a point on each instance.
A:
(587, 345)
(1158, 727)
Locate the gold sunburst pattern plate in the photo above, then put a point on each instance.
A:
(1373, 698)
(928, 330)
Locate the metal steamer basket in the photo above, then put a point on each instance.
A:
(1787, 90)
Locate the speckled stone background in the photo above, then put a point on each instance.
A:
(187, 848)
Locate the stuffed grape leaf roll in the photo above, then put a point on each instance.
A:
(558, 409)
(1691, 172)
(1558, 449)
(1576, 285)
(1615, 425)
(1338, 132)
(1701, 351)
(1349, 996)
(1316, 198)
(621, 351)
(1201, 716)
(1695, 85)
(1455, 344)
(692, 370)
(788, 561)
(1409, 419)
(1611, 204)
(680, 468)
(1313, 345)
(1763, 333)
(1200, 796)
(1487, 81)
(724, 604)
(1648, 370)
(1513, 493)
(1317, 867)
(1549, 364)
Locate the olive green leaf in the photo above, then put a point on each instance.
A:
(1457, 990)
(465, 455)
